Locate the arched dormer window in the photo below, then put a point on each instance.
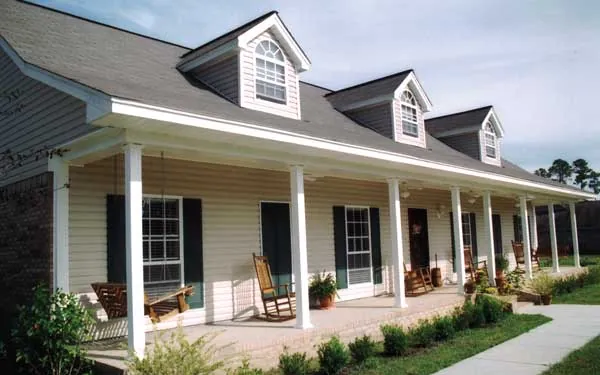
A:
(270, 72)
(490, 141)
(410, 118)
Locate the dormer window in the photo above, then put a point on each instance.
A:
(410, 124)
(490, 141)
(270, 72)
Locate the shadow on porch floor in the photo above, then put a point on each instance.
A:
(263, 341)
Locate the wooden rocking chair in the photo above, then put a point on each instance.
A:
(472, 267)
(278, 306)
(520, 256)
(113, 298)
(417, 279)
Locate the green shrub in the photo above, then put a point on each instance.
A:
(244, 369)
(48, 334)
(444, 328)
(333, 356)
(362, 348)
(473, 315)
(493, 309)
(491, 290)
(592, 276)
(459, 318)
(293, 364)
(395, 340)
(176, 355)
(514, 281)
(542, 284)
(589, 261)
(422, 335)
(567, 284)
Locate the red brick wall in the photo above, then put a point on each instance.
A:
(25, 241)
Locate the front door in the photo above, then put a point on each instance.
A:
(419, 238)
(497, 228)
(276, 240)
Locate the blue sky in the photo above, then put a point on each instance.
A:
(537, 62)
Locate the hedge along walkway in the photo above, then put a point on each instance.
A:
(533, 352)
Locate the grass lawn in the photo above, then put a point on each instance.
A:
(581, 362)
(464, 345)
(588, 295)
(585, 260)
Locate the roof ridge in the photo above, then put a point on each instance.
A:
(371, 81)
(28, 2)
(460, 113)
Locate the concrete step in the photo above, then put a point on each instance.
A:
(522, 304)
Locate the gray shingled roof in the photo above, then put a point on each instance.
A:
(466, 119)
(131, 66)
(367, 90)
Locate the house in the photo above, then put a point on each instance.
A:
(174, 165)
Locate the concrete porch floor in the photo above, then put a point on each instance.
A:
(262, 341)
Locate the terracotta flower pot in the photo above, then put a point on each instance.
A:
(327, 303)
(500, 284)
(469, 288)
(546, 299)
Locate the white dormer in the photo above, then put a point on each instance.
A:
(257, 66)
(490, 136)
(410, 103)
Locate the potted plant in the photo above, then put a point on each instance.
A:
(470, 287)
(323, 288)
(501, 267)
(543, 284)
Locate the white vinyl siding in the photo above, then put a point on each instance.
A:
(231, 225)
(399, 135)
(221, 76)
(248, 81)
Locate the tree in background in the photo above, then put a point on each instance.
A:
(561, 170)
(582, 173)
(594, 182)
(542, 172)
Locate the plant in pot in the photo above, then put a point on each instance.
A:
(323, 288)
(470, 287)
(501, 268)
(543, 284)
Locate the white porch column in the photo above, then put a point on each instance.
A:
(525, 230)
(574, 234)
(489, 231)
(397, 245)
(553, 244)
(299, 251)
(534, 234)
(459, 259)
(136, 338)
(60, 240)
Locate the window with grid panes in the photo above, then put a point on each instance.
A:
(490, 141)
(467, 229)
(270, 72)
(410, 118)
(358, 240)
(162, 242)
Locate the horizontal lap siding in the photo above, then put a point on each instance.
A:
(400, 136)
(48, 118)
(222, 76)
(466, 143)
(378, 118)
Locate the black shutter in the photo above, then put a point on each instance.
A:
(193, 264)
(517, 228)
(452, 243)
(473, 237)
(339, 239)
(376, 245)
(115, 239)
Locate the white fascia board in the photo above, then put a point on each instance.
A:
(412, 81)
(290, 45)
(97, 103)
(135, 109)
(189, 64)
(495, 120)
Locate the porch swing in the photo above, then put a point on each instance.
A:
(113, 296)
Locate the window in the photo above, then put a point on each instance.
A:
(467, 229)
(358, 245)
(270, 72)
(410, 118)
(490, 141)
(161, 222)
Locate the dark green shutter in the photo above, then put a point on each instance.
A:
(115, 239)
(376, 245)
(193, 264)
(473, 236)
(452, 243)
(517, 228)
(339, 239)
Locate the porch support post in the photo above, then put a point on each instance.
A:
(60, 208)
(489, 231)
(459, 259)
(534, 234)
(136, 338)
(397, 245)
(525, 230)
(574, 234)
(299, 250)
(553, 244)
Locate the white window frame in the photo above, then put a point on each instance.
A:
(266, 80)
(370, 252)
(407, 120)
(181, 237)
(490, 141)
